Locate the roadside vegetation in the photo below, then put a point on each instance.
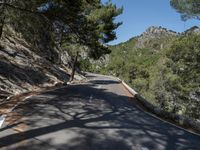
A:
(169, 78)
(166, 70)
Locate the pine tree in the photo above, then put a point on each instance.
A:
(187, 8)
(88, 23)
(94, 27)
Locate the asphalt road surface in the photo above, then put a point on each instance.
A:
(96, 115)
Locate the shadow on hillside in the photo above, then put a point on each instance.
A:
(58, 73)
(106, 122)
(21, 75)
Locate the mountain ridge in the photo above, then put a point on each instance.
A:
(153, 32)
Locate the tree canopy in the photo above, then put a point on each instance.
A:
(88, 22)
(187, 8)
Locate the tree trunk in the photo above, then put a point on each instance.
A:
(2, 18)
(74, 67)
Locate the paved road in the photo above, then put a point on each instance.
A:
(96, 115)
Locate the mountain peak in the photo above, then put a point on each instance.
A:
(158, 31)
(152, 34)
(194, 29)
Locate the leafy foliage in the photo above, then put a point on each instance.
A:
(184, 65)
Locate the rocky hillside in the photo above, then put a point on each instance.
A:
(154, 39)
(151, 34)
(24, 68)
(161, 65)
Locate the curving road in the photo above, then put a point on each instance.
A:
(96, 115)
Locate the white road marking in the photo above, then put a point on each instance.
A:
(2, 119)
(99, 86)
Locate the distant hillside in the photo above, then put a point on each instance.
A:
(162, 65)
(154, 37)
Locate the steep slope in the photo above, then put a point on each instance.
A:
(23, 67)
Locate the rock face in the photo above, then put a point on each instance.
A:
(153, 33)
(193, 30)
(22, 69)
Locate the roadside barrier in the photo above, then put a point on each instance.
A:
(184, 122)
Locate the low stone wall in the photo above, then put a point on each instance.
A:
(181, 120)
(177, 119)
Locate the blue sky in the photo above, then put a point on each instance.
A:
(138, 15)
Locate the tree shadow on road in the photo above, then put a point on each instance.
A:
(106, 121)
(104, 82)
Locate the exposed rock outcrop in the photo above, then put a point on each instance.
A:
(153, 33)
(23, 69)
(192, 30)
